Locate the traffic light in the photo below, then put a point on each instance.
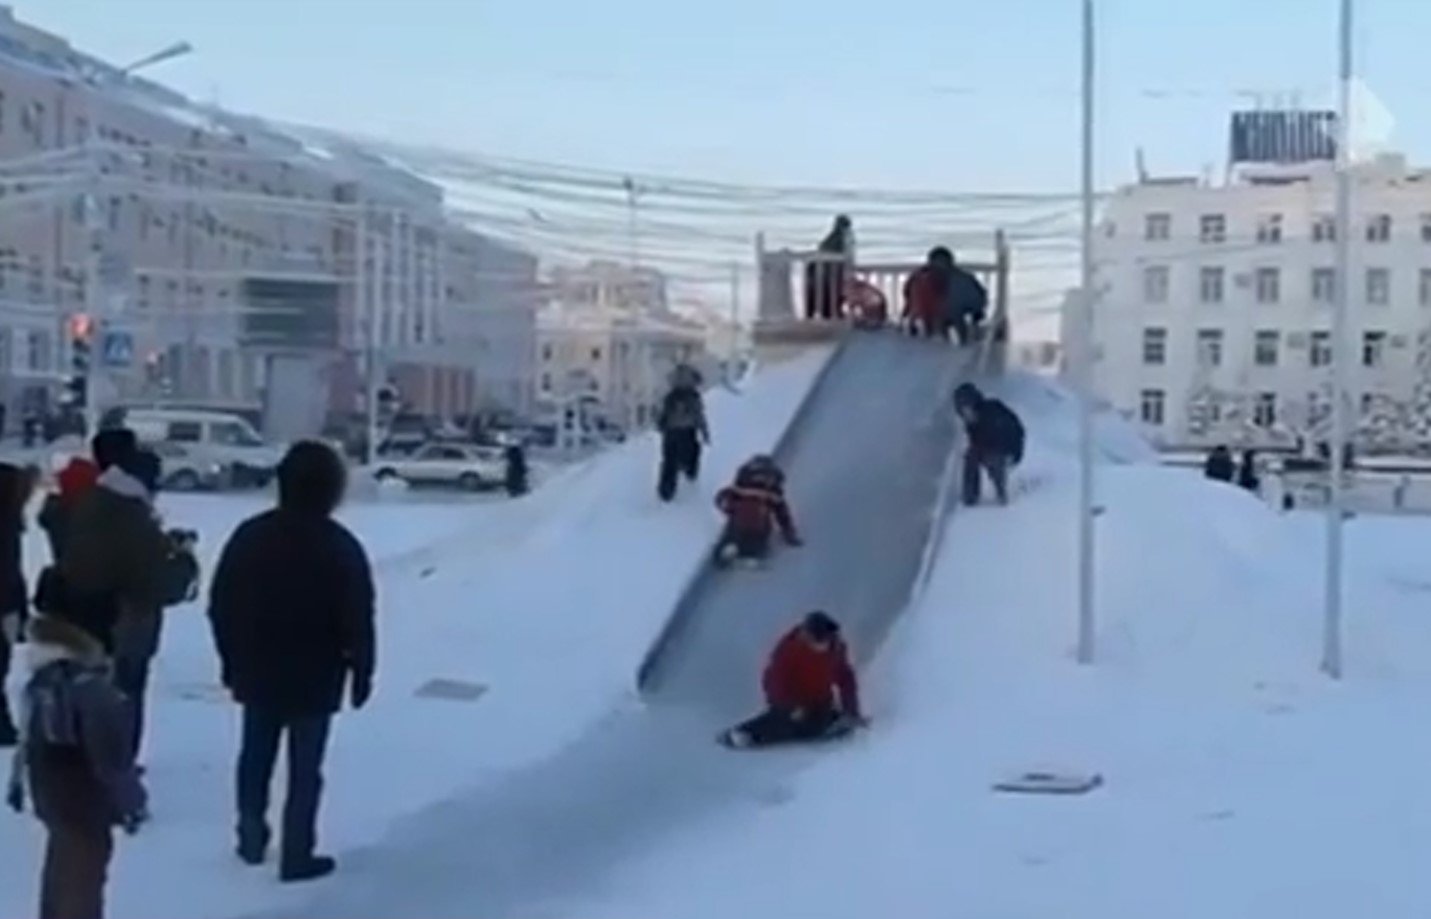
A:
(81, 329)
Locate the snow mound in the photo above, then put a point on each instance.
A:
(1232, 767)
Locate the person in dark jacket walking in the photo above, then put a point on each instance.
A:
(1219, 465)
(292, 607)
(825, 279)
(682, 423)
(75, 763)
(995, 442)
(1247, 477)
(516, 472)
(811, 691)
(14, 604)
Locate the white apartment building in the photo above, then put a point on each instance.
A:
(195, 204)
(1213, 304)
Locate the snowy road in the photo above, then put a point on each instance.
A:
(864, 456)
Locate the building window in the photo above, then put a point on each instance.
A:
(1269, 285)
(1155, 347)
(1324, 285)
(1209, 347)
(1157, 227)
(1378, 286)
(546, 382)
(1373, 348)
(1150, 406)
(6, 351)
(1265, 344)
(1269, 229)
(1264, 410)
(1210, 284)
(1378, 228)
(1320, 352)
(1212, 228)
(1425, 226)
(546, 352)
(1423, 287)
(1324, 228)
(1155, 284)
(1368, 403)
(37, 352)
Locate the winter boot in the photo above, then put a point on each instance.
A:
(308, 869)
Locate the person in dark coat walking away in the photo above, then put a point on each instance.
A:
(115, 552)
(995, 442)
(825, 279)
(754, 506)
(1219, 465)
(1247, 476)
(811, 691)
(75, 764)
(516, 474)
(682, 423)
(75, 481)
(292, 607)
(14, 604)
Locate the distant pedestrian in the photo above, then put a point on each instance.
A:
(292, 607)
(516, 473)
(1247, 476)
(1219, 465)
(682, 423)
(74, 761)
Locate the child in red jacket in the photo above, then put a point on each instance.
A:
(811, 692)
(754, 506)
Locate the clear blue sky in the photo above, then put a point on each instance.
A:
(955, 94)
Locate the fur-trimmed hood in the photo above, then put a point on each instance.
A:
(52, 640)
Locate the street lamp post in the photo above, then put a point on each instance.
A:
(1084, 357)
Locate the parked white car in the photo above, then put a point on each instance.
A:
(456, 465)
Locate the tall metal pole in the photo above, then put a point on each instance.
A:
(375, 291)
(633, 228)
(733, 358)
(1085, 363)
(1341, 360)
(94, 299)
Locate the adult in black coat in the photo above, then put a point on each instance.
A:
(14, 492)
(292, 606)
(825, 280)
(996, 441)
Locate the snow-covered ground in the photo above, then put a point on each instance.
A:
(1240, 783)
(549, 602)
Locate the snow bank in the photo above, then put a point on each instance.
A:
(1239, 782)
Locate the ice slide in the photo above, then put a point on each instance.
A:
(865, 455)
(865, 458)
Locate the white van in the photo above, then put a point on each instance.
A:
(221, 438)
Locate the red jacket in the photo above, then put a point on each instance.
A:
(924, 295)
(78, 477)
(800, 675)
(751, 509)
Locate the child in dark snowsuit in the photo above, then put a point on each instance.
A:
(682, 423)
(753, 507)
(996, 442)
(75, 758)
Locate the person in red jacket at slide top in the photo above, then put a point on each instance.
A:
(811, 691)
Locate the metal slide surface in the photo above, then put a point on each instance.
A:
(864, 458)
(864, 464)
